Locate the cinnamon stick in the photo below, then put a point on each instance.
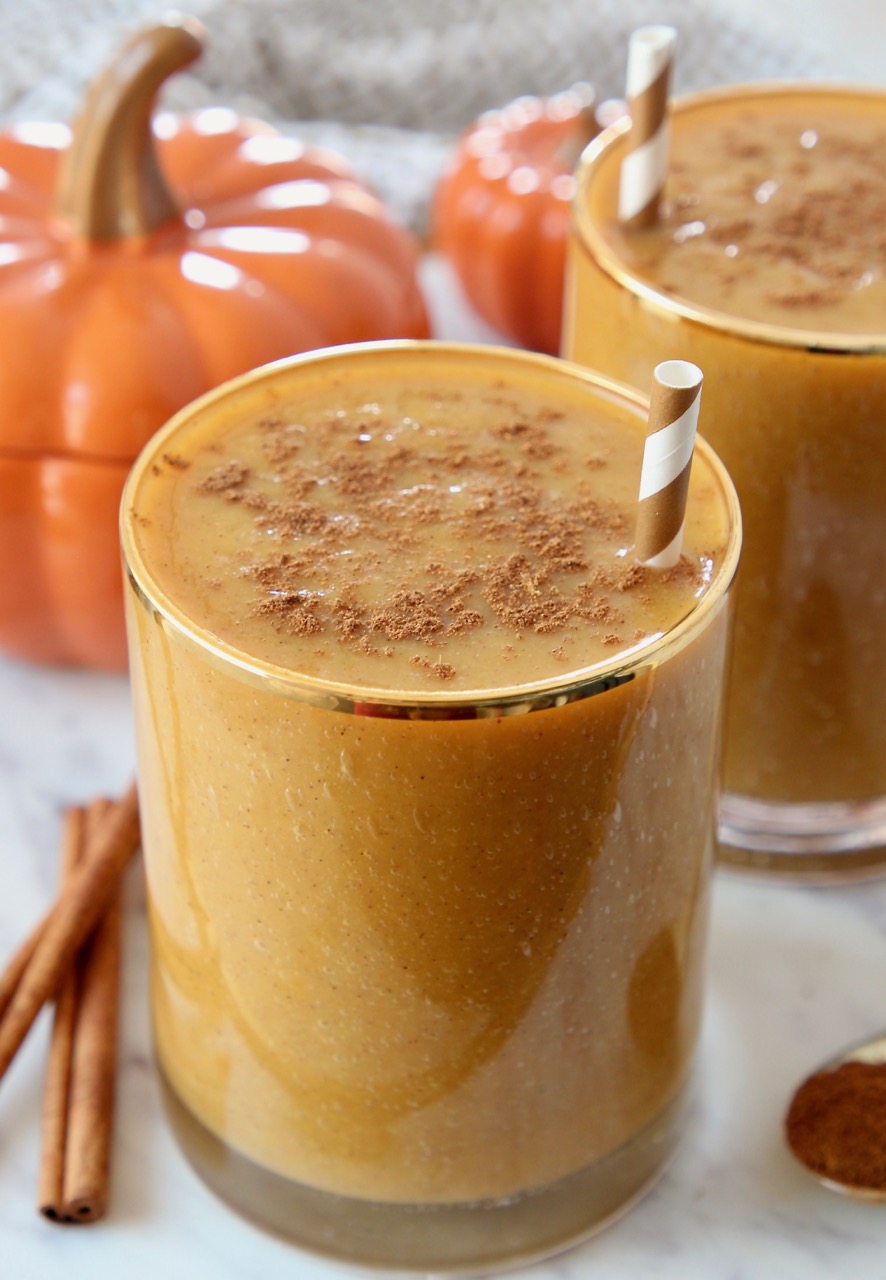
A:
(93, 1073)
(80, 1082)
(56, 1089)
(15, 968)
(79, 907)
(583, 129)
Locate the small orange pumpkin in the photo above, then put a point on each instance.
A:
(500, 212)
(142, 261)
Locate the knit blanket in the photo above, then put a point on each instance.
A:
(387, 84)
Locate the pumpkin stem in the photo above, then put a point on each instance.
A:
(110, 186)
(584, 129)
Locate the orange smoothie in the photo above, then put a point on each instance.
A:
(427, 773)
(768, 269)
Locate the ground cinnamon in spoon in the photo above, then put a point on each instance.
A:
(836, 1124)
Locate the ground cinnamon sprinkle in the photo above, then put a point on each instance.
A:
(176, 460)
(297, 613)
(227, 479)
(836, 1124)
(409, 615)
(442, 670)
(631, 576)
(337, 502)
(290, 519)
(801, 213)
(350, 619)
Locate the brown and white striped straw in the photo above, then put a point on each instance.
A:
(667, 460)
(644, 167)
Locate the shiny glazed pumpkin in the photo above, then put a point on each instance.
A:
(501, 209)
(144, 260)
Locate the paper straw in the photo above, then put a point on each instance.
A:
(644, 167)
(667, 460)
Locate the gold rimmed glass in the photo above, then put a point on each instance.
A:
(427, 967)
(797, 416)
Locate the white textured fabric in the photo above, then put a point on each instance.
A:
(389, 84)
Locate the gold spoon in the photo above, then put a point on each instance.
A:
(836, 1122)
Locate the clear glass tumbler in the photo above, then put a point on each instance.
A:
(797, 414)
(427, 965)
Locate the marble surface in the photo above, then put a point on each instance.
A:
(793, 974)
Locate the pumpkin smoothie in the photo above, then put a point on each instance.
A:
(768, 268)
(427, 767)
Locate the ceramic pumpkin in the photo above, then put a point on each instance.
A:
(501, 209)
(144, 260)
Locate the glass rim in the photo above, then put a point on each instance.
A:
(571, 686)
(604, 150)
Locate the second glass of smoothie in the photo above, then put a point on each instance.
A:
(767, 268)
(427, 770)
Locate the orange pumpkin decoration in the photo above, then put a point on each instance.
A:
(500, 212)
(143, 261)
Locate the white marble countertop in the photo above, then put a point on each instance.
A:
(794, 974)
